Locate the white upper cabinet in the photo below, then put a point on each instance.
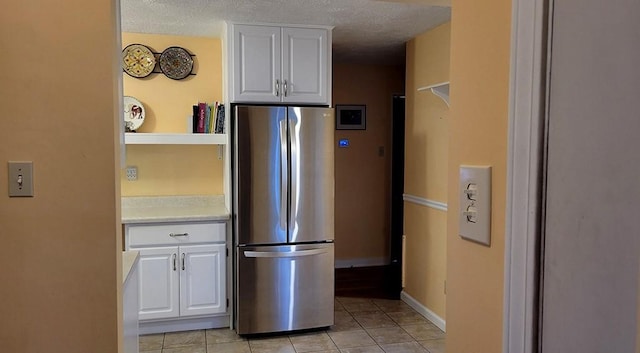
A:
(304, 65)
(256, 63)
(272, 64)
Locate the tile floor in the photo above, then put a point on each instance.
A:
(361, 326)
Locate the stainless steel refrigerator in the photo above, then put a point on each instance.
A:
(283, 218)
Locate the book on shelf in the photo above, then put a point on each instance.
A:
(208, 118)
(220, 120)
(215, 124)
(214, 112)
(194, 119)
(202, 108)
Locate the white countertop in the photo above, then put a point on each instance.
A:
(154, 209)
(129, 259)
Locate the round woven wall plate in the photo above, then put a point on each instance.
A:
(138, 60)
(175, 63)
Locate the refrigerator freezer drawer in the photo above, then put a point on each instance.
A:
(285, 288)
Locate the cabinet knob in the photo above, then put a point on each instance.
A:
(277, 88)
(285, 88)
(173, 235)
(174, 262)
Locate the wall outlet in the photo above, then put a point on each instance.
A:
(132, 173)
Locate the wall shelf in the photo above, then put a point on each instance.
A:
(439, 89)
(131, 138)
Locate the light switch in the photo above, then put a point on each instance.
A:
(20, 179)
(471, 191)
(475, 203)
(472, 214)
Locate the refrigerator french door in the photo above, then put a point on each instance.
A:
(283, 218)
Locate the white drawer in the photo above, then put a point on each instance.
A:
(174, 234)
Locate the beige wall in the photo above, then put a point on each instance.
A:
(61, 264)
(480, 52)
(171, 169)
(426, 158)
(425, 256)
(362, 176)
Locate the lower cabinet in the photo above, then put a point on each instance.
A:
(182, 269)
(130, 307)
(202, 279)
(182, 281)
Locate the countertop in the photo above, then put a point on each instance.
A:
(129, 259)
(155, 209)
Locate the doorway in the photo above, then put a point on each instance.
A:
(384, 281)
(397, 190)
(588, 257)
(590, 239)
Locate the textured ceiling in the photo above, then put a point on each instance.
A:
(366, 31)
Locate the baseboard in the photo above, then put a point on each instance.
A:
(424, 311)
(149, 327)
(362, 262)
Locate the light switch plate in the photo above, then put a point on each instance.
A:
(475, 203)
(20, 179)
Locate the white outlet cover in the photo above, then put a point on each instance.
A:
(480, 177)
(132, 173)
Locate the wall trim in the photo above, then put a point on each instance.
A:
(424, 311)
(361, 262)
(175, 325)
(425, 202)
(524, 174)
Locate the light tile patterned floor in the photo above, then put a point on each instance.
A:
(361, 326)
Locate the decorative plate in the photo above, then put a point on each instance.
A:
(133, 114)
(138, 60)
(176, 63)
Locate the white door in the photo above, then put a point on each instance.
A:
(202, 279)
(591, 235)
(256, 64)
(159, 287)
(304, 65)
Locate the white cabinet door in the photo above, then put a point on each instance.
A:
(202, 279)
(130, 307)
(256, 63)
(304, 65)
(159, 287)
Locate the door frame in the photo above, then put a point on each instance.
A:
(396, 231)
(527, 111)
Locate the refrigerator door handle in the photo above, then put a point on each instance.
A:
(295, 175)
(298, 253)
(284, 174)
